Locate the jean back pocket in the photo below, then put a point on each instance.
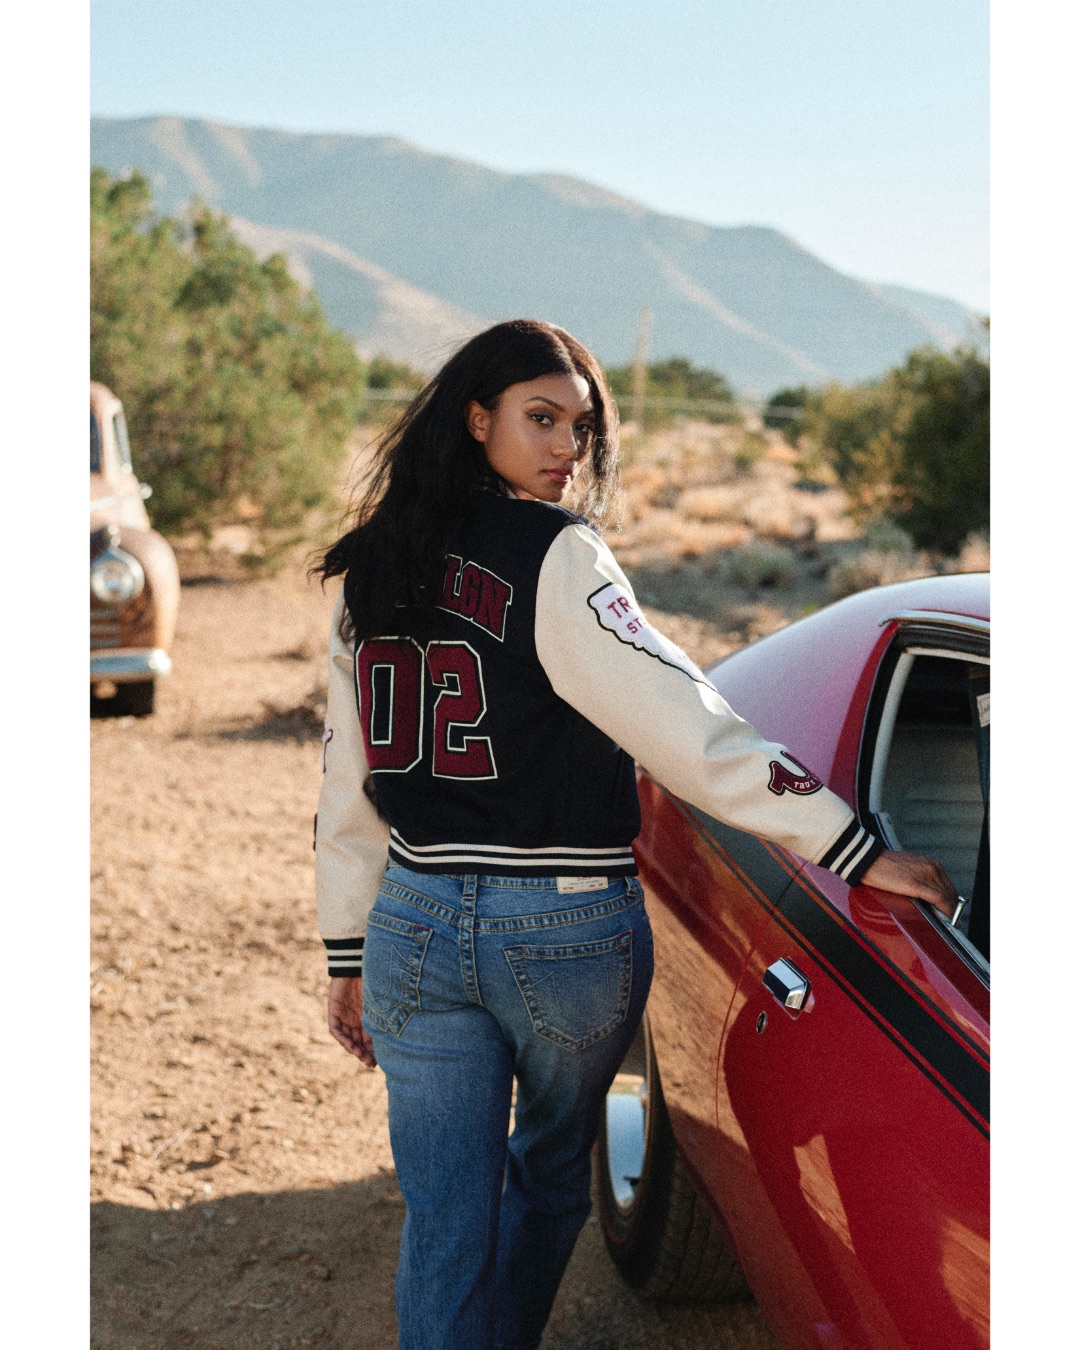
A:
(393, 958)
(576, 995)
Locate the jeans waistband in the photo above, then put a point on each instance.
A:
(539, 904)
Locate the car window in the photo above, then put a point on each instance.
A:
(123, 448)
(930, 782)
(95, 444)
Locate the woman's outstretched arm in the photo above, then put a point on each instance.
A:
(911, 874)
(605, 659)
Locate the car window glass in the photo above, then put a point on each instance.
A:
(934, 793)
(95, 445)
(123, 449)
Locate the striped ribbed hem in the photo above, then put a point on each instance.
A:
(504, 860)
(853, 853)
(345, 956)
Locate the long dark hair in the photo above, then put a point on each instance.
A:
(427, 465)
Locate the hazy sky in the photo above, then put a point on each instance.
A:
(858, 127)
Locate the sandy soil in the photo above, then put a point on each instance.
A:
(242, 1185)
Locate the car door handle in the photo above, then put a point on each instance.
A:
(788, 985)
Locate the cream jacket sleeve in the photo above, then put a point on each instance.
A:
(605, 659)
(351, 838)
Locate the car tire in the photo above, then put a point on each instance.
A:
(130, 700)
(137, 698)
(659, 1233)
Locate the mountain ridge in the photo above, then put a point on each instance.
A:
(398, 319)
(474, 241)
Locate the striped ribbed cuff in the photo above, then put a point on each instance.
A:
(345, 956)
(853, 853)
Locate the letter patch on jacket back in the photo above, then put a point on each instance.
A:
(476, 594)
(616, 610)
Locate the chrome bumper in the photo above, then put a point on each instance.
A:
(126, 664)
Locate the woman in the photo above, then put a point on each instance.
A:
(505, 681)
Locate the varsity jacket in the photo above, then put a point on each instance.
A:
(502, 740)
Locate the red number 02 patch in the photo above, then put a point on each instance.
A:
(390, 682)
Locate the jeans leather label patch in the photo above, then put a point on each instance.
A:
(574, 885)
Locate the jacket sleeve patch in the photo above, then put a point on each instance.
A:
(783, 780)
(617, 611)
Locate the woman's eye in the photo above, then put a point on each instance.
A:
(544, 419)
(584, 429)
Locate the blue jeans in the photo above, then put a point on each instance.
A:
(469, 982)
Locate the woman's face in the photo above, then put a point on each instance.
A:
(538, 434)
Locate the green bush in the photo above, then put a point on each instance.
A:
(783, 412)
(383, 376)
(913, 447)
(760, 565)
(752, 447)
(678, 382)
(234, 385)
(942, 478)
(383, 373)
(848, 435)
(885, 536)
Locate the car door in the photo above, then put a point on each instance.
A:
(859, 1199)
(709, 889)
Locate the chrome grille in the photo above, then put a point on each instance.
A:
(104, 628)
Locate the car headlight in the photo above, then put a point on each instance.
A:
(116, 577)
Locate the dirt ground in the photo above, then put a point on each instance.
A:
(243, 1192)
(242, 1184)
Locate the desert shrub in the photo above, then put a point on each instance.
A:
(974, 555)
(849, 435)
(779, 410)
(759, 565)
(381, 376)
(942, 478)
(679, 382)
(751, 448)
(235, 387)
(383, 373)
(885, 536)
(913, 446)
(873, 567)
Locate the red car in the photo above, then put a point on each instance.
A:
(807, 1108)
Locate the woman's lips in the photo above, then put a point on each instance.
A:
(560, 476)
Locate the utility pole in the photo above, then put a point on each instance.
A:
(641, 354)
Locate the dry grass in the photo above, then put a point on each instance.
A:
(870, 567)
(718, 522)
(762, 565)
(973, 557)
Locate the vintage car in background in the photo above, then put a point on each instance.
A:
(807, 1107)
(134, 584)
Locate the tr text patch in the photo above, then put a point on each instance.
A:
(617, 611)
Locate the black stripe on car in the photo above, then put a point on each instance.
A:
(973, 1046)
(943, 1053)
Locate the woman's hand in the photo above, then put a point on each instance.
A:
(910, 874)
(346, 1017)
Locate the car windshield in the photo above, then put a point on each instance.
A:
(95, 445)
